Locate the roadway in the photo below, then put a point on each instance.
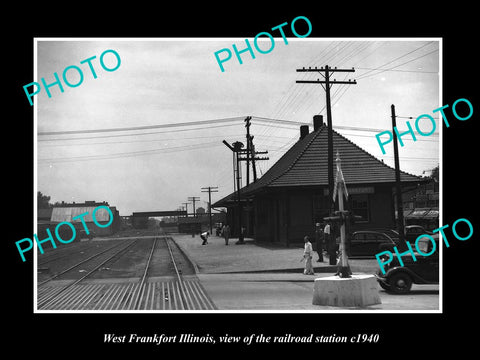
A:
(267, 277)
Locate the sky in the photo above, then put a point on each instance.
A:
(90, 141)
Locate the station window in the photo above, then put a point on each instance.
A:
(359, 206)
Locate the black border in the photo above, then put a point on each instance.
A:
(83, 333)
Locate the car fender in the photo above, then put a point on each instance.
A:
(395, 270)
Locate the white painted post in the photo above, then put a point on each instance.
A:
(344, 258)
(344, 270)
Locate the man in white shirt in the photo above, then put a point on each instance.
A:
(327, 229)
(307, 256)
(204, 237)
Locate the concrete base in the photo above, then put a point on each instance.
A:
(359, 290)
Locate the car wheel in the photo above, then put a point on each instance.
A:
(400, 283)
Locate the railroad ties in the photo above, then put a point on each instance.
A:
(153, 295)
(178, 292)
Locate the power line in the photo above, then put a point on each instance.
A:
(139, 134)
(410, 139)
(297, 123)
(415, 158)
(136, 128)
(294, 96)
(133, 153)
(391, 69)
(398, 58)
(143, 141)
(419, 57)
(267, 120)
(295, 101)
(326, 55)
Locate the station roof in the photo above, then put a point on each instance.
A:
(306, 164)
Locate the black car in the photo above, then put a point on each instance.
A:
(368, 243)
(414, 231)
(425, 270)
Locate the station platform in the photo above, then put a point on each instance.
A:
(259, 277)
(257, 257)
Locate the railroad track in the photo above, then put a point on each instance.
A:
(170, 289)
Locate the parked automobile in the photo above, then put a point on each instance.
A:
(368, 243)
(425, 270)
(414, 231)
(393, 234)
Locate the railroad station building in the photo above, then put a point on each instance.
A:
(292, 196)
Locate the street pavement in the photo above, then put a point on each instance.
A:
(268, 277)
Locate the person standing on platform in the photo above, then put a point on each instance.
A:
(330, 243)
(326, 232)
(319, 241)
(307, 256)
(226, 233)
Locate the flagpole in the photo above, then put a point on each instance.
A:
(344, 269)
(342, 227)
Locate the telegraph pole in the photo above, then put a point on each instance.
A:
(210, 189)
(326, 73)
(398, 188)
(186, 208)
(249, 149)
(194, 199)
(251, 154)
(236, 148)
(252, 157)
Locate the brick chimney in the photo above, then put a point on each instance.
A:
(303, 131)
(317, 122)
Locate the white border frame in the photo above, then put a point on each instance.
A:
(320, 311)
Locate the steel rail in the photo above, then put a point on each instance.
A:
(52, 297)
(80, 263)
(180, 281)
(57, 254)
(142, 281)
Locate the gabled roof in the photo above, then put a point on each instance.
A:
(306, 164)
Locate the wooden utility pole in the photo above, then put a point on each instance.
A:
(326, 73)
(186, 208)
(194, 199)
(250, 153)
(252, 158)
(398, 186)
(236, 148)
(249, 150)
(210, 189)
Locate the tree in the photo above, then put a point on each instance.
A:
(435, 173)
(43, 201)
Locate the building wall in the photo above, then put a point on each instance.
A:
(266, 223)
(288, 215)
(300, 215)
(232, 219)
(380, 210)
